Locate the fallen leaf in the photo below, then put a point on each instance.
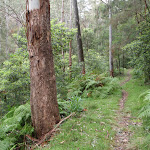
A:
(62, 142)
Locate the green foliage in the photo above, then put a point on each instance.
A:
(138, 52)
(75, 104)
(95, 62)
(21, 39)
(93, 85)
(88, 130)
(14, 80)
(137, 91)
(61, 36)
(14, 125)
(14, 73)
(63, 106)
(88, 38)
(145, 111)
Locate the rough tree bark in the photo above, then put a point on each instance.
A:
(110, 43)
(43, 97)
(79, 40)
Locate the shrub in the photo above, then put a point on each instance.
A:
(93, 85)
(75, 104)
(14, 80)
(14, 125)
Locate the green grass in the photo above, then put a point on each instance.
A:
(134, 87)
(89, 130)
(141, 138)
(93, 129)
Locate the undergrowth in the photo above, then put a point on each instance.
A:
(92, 129)
(93, 85)
(91, 92)
(14, 126)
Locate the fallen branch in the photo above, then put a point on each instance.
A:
(32, 138)
(53, 130)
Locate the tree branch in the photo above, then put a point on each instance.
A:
(146, 6)
(53, 130)
(11, 15)
(103, 2)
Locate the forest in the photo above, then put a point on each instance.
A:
(75, 75)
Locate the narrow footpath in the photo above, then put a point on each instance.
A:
(123, 120)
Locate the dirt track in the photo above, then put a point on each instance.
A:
(123, 120)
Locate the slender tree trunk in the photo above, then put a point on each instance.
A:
(62, 12)
(79, 40)
(146, 7)
(123, 61)
(6, 21)
(43, 96)
(0, 37)
(62, 20)
(110, 43)
(70, 43)
(119, 62)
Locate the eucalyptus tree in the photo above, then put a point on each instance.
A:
(6, 18)
(62, 12)
(79, 40)
(111, 69)
(70, 43)
(43, 97)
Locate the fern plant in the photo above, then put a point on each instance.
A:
(93, 85)
(14, 125)
(75, 104)
(145, 111)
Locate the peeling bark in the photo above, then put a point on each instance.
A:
(43, 97)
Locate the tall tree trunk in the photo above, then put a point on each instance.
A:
(62, 20)
(62, 12)
(79, 40)
(43, 97)
(123, 60)
(146, 7)
(70, 43)
(6, 22)
(0, 38)
(119, 64)
(110, 43)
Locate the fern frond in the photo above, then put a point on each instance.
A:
(147, 97)
(145, 112)
(142, 96)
